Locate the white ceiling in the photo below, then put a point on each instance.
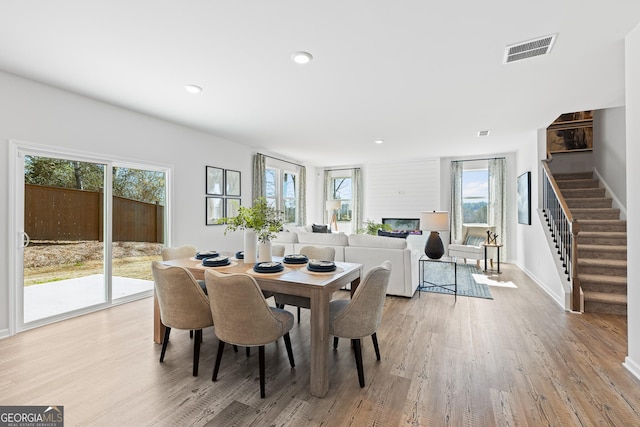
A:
(424, 76)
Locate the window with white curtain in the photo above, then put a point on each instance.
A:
(475, 194)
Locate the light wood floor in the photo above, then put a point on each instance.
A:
(516, 360)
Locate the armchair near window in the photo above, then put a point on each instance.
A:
(470, 245)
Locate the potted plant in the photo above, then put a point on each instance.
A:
(260, 222)
(372, 227)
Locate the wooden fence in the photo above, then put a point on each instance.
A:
(53, 213)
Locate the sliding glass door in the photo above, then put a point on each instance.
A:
(88, 231)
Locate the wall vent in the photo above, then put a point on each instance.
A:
(529, 49)
(483, 132)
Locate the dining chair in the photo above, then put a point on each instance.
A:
(361, 316)
(182, 304)
(243, 317)
(277, 250)
(312, 252)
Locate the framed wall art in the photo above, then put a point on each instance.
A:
(571, 132)
(232, 179)
(215, 181)
(214, 210)
(524, 198)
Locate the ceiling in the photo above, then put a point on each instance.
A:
(423, 76)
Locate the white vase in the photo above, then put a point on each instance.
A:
(264, 251)
(250, 246)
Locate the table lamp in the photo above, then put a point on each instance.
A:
(434, 221)
(332, 206)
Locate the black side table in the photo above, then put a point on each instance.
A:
(492, 245)
(425, 284)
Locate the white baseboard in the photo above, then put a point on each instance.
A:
(632, 366)
(4, 333)
(561, 300)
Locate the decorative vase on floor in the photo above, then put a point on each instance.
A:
(264, 251)
(250, 246)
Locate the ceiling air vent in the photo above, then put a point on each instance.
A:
(483, 132)
(529, 49)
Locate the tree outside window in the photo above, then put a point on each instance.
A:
(475, 196)
(282, 192)
(341, 188)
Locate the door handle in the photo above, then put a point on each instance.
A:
(25, 239)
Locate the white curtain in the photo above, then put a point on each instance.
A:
(496, 214)
(357, 199)
(259, 169)
(302, 196)
(455, 215)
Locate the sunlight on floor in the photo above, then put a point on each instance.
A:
(481, 278)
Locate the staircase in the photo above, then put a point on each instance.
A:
(602, 243)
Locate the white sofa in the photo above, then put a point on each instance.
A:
(364, 249)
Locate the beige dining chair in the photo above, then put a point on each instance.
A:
(361, 316)
(277, 250)
(182, 304)
(243, 318)
(312, 252)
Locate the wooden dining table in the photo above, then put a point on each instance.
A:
(294, 280)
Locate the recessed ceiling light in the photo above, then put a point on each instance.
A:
(484, 132)
(301, 57)
(192, 88)
(379, 141)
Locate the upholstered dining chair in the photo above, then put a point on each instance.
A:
(312, 252)
(243, 317)
(182, 304)
(277, 250)
(361, 316)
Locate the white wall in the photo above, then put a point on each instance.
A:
(41, 114)
(632, 95)
(609, 152)
(534, 254)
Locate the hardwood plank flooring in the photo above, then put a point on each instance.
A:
(516, 360)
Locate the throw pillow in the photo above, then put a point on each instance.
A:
(320, 228)
(398, 234)
(472, 240)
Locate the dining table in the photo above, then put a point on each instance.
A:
(295, 279)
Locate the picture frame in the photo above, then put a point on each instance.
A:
(571, 132)
(232, 181)
(214, 210)
(231, 207)
(524, 198)
(214, 181)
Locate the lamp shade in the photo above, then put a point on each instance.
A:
(332, 205)
(434, 220)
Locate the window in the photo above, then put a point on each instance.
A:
(475, 195)
(282, 192)
(341, 189)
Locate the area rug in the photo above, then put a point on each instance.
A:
(442, 273)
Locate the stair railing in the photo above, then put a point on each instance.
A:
(564, 230)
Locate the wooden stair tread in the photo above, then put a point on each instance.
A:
(605, 297)
(618, 234)
(603, 279)
(604, 248)
(615, 263)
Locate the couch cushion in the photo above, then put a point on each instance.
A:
(325, 239)
(376, 241)
(286, 237)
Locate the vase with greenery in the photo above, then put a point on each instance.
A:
(260, 219)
